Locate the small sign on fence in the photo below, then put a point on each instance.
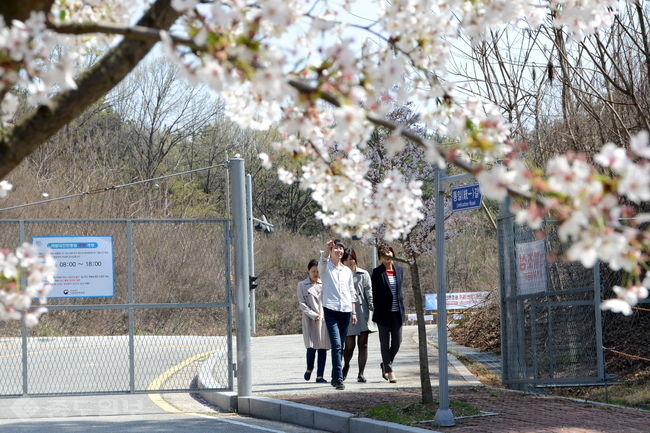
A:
(531, 267)
(84, 265)
(414, 317)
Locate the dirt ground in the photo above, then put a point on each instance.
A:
(507, 411)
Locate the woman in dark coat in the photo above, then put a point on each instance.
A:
(388, 301)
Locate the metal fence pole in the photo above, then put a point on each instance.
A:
(238, 185)
(506, 245)
(444, 416)
(23, 328)
(229, 299)
(600, 355)
(129, 267)
(251, 250)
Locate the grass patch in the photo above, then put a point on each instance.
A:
(635, 395)
(415, 411)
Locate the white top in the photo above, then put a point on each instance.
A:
(338, 285)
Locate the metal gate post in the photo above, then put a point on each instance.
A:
(131, 338)
(506, 253)
(23, 328)
(238, 185)
(251, 250)
(227, 237)
(600, 355)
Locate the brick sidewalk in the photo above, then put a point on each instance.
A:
(516, 412)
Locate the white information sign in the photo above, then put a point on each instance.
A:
(456, 301)
(84, 265)
(531, 267)
(414, 317)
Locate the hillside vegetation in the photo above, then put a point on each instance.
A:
(154, 125)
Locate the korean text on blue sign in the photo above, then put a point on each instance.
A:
(466, 197)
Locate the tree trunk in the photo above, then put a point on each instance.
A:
(425, 378)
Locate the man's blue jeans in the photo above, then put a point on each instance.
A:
(337, 324)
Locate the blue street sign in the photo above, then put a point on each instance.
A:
(465, 197)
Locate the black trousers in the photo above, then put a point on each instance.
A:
(390, 339)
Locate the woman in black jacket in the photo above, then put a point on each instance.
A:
(387, 296)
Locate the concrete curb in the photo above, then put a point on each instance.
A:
(317, 418)
(459, 366)
(225, 400)
(463, 371)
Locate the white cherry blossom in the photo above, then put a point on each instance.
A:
(617, 306)
(493, 183)
(291, 64)
(15, 299)
(5, 187)
(613, 157)
(585, 251)
(639, 144)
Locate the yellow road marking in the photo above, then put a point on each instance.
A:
(157, 383)
(153, 386)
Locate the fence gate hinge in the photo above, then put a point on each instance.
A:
(234, 368)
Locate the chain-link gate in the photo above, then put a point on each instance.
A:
(169, 313)
(551, 328)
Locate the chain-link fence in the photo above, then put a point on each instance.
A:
(625, 338)
(550, 315)
(168, 313)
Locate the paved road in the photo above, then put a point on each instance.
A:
(127, 413)
(101, 364)
(278, 365)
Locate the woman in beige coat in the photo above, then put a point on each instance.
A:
(314, 330)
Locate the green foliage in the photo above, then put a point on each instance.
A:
(414, 411)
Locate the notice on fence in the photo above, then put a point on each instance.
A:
(531, 267)
(84, 265)
(414, 317)
(456, 301)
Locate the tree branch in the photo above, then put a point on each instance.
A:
(141, 33)
(305, 88)
(18, 142)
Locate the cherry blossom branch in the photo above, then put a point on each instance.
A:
(307, 89)
(18, 142)
(136, 32)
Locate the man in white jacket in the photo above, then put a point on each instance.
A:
(339, 297)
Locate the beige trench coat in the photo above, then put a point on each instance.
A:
(310, 299)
